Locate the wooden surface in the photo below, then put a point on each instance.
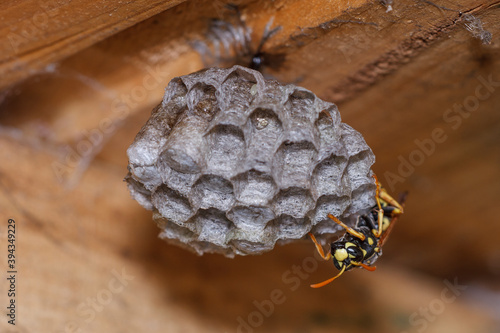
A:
(393, 74)
(34, 34)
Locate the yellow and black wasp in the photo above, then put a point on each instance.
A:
(361, 245)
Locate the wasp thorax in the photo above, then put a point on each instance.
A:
(354, 252)
(232, 163)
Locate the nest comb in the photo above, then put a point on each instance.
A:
(232, 163)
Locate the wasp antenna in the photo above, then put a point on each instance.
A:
(324, 283)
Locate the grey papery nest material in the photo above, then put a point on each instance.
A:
(232, 163)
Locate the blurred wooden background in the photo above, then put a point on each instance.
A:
(79, 79)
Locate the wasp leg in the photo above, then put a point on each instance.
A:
(394, 218)
(391, 201)
(388, 231)
(377, 233)
(381, 193)
(324, 283)
(377, 191)
(360, 264)
(348, 229)
(319, 248)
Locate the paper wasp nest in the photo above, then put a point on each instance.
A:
(232, 163)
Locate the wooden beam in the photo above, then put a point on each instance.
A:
(34, 34)
(394, 75)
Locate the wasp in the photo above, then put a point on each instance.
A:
(361, 245)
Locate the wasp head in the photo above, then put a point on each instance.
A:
(345, 252)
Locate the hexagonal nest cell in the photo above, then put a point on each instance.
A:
(232, 163)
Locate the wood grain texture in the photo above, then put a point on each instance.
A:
(34, 34)
(74, 244)
(394, 75)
